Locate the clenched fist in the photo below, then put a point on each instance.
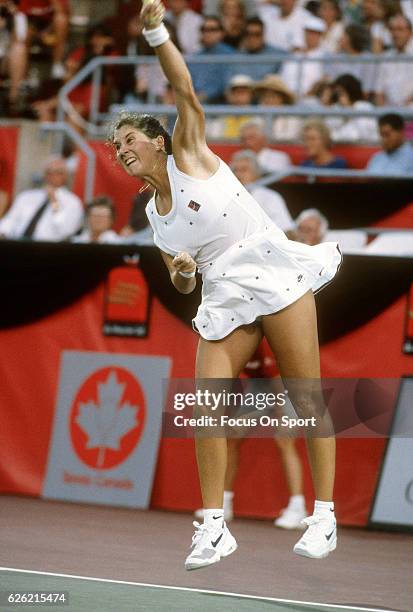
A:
(183, 262)
(152, 13)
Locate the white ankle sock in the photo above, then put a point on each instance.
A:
(324, 508)
(228, 497)
(296, 502)
(214, 516)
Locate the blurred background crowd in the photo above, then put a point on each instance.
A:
(45, 43)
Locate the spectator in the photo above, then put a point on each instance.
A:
(317, 142)
(311, 227)
(49, 23)
(100, 216)
(301, 78)
(13, 32)
(330, 12)
(209, 79)
(272, 91)
(253, 137)
(246, 168)
(99, 42)
(232, 13)
(395, 80)
(138, 230)
(50, 213)
(238, 93)
(284, 24)
(253, 44)
(376, 14)
(347, 93)
(187, 24)
(397, 154)
(355, 42)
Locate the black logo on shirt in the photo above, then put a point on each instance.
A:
(194, 205)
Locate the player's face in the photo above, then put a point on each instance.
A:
(134, 150)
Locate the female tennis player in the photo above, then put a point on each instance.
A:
(255, 282)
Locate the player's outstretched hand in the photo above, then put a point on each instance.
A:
(152, 13)
(183, 262)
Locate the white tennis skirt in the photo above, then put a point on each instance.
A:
(260, 275)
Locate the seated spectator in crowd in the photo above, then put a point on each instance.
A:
(100, 216)
(246, 168)
(397, 154)
(310, 227)
(232, 14)
(300, 78)
(347, 93)
(253, 137)
(139, 230)
(13, 33)
(317, 142)
(238, 93)
(212, 7)
(253, 43)
(210, 79)
(99, 42)
(187, 24)
(355, 42)
(395, 80)
(48, 23)
(330, 12)
(376, 15)
(272, 91)
(51, 213)
(284, 24)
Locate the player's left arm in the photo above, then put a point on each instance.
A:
(188, 140)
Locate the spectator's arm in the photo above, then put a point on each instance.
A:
(12, 218)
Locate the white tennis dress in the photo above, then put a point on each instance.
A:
(249, 267)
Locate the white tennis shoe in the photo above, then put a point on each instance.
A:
(209, 545)
(291, 518)
(320, 538)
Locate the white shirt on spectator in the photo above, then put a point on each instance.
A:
(187, 26)
(348, 240)
(395, 79)
(284, 32)
(286, 128)
(356, 128)
(300, 78)
(108, 237)
(331, 39)
(52, 225)
(273, 161)
(274, 206)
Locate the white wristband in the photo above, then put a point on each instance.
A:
(156, 36)
(187, 274)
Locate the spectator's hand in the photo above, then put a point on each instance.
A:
(51, 192)
(126, 231)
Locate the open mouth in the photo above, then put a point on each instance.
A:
(130, 161)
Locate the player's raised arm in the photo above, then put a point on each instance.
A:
(189, 133)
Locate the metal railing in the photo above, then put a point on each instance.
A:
(95, 69)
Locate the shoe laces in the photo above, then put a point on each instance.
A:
(311, 520)
(199, 532)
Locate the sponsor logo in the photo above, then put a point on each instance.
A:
(194, 205)
(107, 418)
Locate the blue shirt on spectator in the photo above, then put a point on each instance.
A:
(337, 162)
(399, 161)
(259, 70)
(210, 79)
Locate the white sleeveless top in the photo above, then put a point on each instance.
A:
(207, 216)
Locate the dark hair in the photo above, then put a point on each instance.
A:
(359, 37)
(147, 124)
(336, 5)
(213, 18)
(351, 85)
(255, 21)
(101, 200)
(394, 120)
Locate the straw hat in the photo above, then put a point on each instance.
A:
(275, 83)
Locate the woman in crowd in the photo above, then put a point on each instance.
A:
(317, 142)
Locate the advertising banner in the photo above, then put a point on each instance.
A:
(106, 429)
